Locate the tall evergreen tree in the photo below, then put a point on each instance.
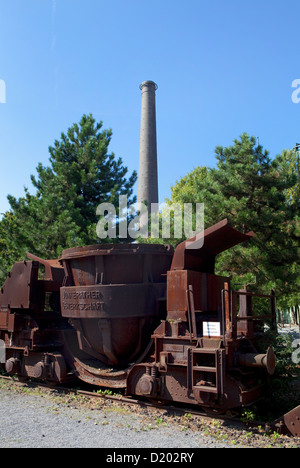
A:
(250, 189)
(62, 213)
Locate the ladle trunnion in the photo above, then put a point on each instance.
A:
(155, 322)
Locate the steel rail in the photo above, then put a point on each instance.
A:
(140, 402)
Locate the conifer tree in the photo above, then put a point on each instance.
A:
(62, 213)
(254, 193)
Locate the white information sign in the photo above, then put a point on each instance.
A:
(2, 352)
(211, 329)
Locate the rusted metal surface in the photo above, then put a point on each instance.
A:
(113, 298)
(292, 421)
(267, 361)
(116, 264)
(53, 269)
(206, 290)
(289, 423)
(30, 321)
(116, 301)
(199, 253)
(144, 318)
(200, 355)
(18, 291)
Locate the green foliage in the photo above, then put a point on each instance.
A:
(62, 213)
(8, 248)
(256, 194)
(290, 161)
(285, 394)
(188, 187)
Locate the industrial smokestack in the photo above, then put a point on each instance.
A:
(148, 178)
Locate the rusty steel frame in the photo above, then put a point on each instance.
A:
(144, 318)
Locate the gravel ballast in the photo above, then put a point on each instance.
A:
(34, 421)
(41, 419)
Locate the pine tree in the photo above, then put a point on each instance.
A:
(250, 189)
(62, 213)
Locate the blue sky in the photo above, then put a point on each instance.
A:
(223, 68)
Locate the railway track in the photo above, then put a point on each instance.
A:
(143, 404)
(156, 322)
(229, 428)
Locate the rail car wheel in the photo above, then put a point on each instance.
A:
(44, 367)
